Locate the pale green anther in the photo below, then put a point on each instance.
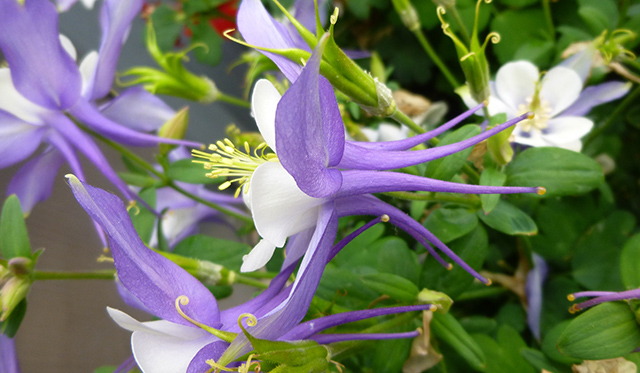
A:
(472, 59)
(407, 13)
(438, 299)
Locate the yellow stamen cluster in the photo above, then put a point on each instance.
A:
(225, 160)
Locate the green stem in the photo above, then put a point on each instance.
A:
(547, 15)
(107, 274)
(631, 98)
(268, 275)
(168, 182)
(241, 279)
(434, 57)
(468, 200)
(233, 100)
(458, 20)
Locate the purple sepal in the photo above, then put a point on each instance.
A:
(90, 116)
(596, 95)
(533, 288)
(41, 69)
(18, 139)
(315, 326)
(156, 281)
(309, 125)
(33, 183)
(8, 356)
(330, 338)
(115, 20)
(305, 12)
(211, 351)
(138, 109)
(260, 29)
(130, 299)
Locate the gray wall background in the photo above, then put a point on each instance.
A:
(66, 328)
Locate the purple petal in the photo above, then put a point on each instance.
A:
(315, 326)
(359, 158)
(368, 182)
(156, 281)
(305, 12)
(581, 62)
(356, 54)
(596, 95)
(33, 183)
(211, 351)
(41, 69)
(139, 110)
(90, 116)
(69, 154)
(310, 132)
(8, 356)
(330, 338)
(115, 19)
(260, 29)
(533, 288)
(18, 139)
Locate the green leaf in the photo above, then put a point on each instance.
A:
(9, 327)
(187, 171)
(226, 253)
(144, 220)
(168, 25)
(605, 331)
(143, 181)
(561, 171)
(539, 361)
(389, 355)
(599, 15)
(596, 262)
(14, 239)
(518, 3)
(536, 50)
(211, 53)
(550, 342)
(449, 224)
(392, 285)
(448, 329)
(512, 314)
(491, 177)
(447, 167)
(106, 369)
(509, 219)
(505, 354)
(527, 22)
(630, 263)
(472, 248)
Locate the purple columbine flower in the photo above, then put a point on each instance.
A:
(314, 167)
(43, 85)
(600, 297)
(192, 329)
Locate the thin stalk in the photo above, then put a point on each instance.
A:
(549, 19)
(240, 279)
(435, 58)
(233, 100)
(458, 20)
(147, 166)
(631, 98)
(470, 200)
(107, 274)
(268, 275)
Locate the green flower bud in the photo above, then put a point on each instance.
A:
(12, 293)
(473, 60)
(174, 128)
(407, 14)
(438, 299)
(498, 145)
(173, 79)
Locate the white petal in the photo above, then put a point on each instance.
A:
(496, 106)
(370, 133)
(516, 82)
(575, 145)
(391, 132)
(532, 138)
(264, 102)
(68, 46)
(258, 257)
(165, 354)
(88, 3)
(160, 327)
(13, 102)
(561, 87)
(87, 71)
(279, 207)
(563, 130)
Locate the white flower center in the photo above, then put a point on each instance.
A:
(541, 110)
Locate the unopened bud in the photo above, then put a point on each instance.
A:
(386, 103)
(174, 128)
(436, 298)
(20, 266)
(12, 293)
(407, 14)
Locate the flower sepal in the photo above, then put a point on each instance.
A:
(174, 128)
